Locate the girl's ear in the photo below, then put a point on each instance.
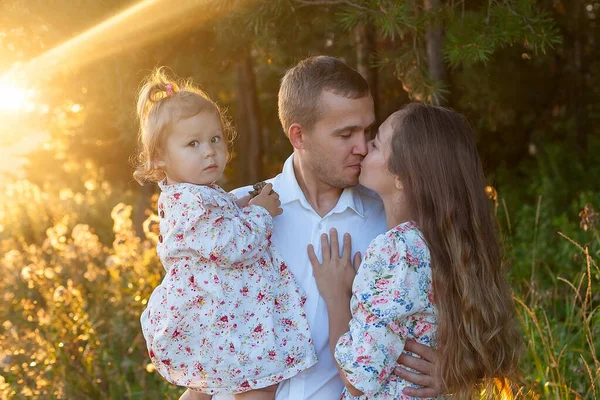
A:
(159, 161)
(295, 133)
(399, 184)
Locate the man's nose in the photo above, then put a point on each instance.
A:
(360, 147)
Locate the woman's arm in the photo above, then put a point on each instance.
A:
(339, 317)
(334, 278)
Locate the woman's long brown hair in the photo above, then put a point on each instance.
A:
(434, 154)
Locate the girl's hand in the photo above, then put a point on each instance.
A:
(243, 201)
(335, 274)
(269, 201)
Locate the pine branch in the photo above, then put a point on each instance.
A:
(331, 2)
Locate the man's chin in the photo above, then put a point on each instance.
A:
(351, 183)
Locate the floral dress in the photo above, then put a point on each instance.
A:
(228, 316)
(391, 302)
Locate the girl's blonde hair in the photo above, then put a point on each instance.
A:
(162, 102)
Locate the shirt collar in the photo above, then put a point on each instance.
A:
(290, 191)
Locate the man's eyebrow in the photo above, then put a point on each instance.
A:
(353, 128)
(347, 128)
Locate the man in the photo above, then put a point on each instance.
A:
(327, 112)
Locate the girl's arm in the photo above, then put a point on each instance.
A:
(226, 238)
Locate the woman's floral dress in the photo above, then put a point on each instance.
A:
(391, 302)
(228, 316)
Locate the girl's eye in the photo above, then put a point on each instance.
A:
(215, 139)
(194, 143)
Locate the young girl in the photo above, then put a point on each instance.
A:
(436, 276)
(228, 316)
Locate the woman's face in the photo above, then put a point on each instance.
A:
(374, 173)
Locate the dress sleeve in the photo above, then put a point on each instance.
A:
(219, 233)
(381, 298)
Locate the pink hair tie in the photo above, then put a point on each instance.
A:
(169, 89)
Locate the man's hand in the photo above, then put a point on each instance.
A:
(432, 385)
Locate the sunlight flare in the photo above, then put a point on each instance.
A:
(146, 22)
(13, 97)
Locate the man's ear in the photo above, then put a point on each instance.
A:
(399, 184)
(295, 133)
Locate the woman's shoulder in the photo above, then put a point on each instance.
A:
(401, 239)
(406, 233)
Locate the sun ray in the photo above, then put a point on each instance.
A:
(143, 23)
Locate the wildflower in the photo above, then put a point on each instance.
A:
(589, 218)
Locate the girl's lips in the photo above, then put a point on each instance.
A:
(210, 168)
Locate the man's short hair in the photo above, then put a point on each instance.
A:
(302, 85)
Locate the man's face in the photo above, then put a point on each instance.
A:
(337, 144)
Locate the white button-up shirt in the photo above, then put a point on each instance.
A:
(358, 212)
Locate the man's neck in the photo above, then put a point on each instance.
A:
(321, 196)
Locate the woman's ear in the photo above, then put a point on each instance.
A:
(295, 133)
(399, 184)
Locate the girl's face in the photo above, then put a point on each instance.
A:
(195, 151)
(374, 173)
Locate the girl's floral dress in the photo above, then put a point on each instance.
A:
(228, 316)
(391, 302)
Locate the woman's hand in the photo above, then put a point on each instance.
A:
(432, 384)
(335, 274)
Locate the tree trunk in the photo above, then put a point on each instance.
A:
(249, 146)
(364, 34)
(579, 98)
(435, 41)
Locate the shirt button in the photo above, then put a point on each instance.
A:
(320, 225)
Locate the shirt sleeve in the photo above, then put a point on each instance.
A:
(209, 228)
(367, 353)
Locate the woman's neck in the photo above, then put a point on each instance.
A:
(396, 210)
